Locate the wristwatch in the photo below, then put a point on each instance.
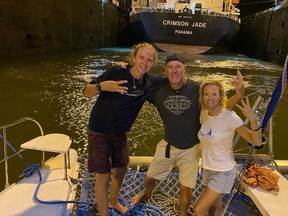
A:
(98, 87)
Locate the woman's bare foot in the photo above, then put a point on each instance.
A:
(119, 207)
(138, 198)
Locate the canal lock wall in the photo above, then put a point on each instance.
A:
(34, 27)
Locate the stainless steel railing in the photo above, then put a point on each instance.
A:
(6, 157)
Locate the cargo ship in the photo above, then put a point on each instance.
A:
(185, 26)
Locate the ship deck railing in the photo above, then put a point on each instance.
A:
(204, 11)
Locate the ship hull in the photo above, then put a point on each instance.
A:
(180, 32)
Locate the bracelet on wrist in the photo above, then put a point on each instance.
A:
(256, 128)
(98, 87)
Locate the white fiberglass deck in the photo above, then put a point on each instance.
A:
(270, 203)
(18, 198)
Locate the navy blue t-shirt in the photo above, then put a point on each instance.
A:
(114, 112)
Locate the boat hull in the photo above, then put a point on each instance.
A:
(178, 32)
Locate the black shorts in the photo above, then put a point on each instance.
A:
(106, 151)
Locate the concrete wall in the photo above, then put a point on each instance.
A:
(264, 35)
(276, 48)
(34, 27)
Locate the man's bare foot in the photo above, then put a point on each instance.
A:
(138, 198)
(119, 207)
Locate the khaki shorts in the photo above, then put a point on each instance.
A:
(185, 159)
(221, 182)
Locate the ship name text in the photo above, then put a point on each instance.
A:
(199, 24)
(175, 23)
(184, 23)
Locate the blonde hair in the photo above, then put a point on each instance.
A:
(137, 47)
(221, 92)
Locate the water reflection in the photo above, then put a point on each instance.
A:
(50, 90)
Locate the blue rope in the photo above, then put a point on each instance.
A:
(29, 170)
(57, 202)
(143, 209)
(139, 209)
(14, 150)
